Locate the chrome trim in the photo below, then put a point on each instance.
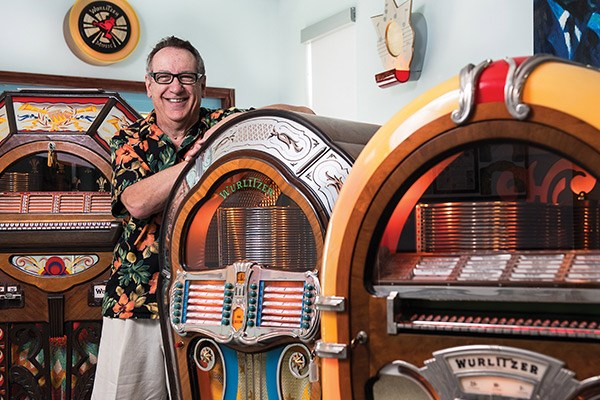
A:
(331, 350)
(391, 301)
(331, 303)
(546, 375)
(469, 77)
(223, 289)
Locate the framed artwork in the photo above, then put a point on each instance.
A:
(134, 93)
(568, 28)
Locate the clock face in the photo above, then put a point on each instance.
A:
(102, 32)
(104, 27)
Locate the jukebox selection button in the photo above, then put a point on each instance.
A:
(177, 307)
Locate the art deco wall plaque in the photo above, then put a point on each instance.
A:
(397, 35)
(102, 32)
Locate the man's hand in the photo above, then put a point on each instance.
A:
(200, 141)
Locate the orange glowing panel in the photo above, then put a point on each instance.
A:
(405, 206)
(237, 320)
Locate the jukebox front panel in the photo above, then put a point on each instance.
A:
(472, 244)
(56, 237)
(282, 372)
(243, 239)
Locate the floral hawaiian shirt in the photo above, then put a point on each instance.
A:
(137, 152)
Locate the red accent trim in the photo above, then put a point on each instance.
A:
(492, 81)
(125, 111)
(402, 75)
(392, 77)
(79, 100)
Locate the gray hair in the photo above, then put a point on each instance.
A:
(172, 41)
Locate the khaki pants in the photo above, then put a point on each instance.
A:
(131, 362)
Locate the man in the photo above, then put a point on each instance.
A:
(147, 158)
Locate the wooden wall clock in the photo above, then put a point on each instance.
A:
(102, 32)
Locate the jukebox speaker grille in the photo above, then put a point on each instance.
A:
(275, 236)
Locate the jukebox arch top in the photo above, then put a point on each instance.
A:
(242, 243)
(55, 182)
(470, 214)
(56, 236)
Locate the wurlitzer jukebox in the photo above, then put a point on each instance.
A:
(462, 258)
(56, 237)
(242, 244)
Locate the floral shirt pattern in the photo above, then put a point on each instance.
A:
(137, 152)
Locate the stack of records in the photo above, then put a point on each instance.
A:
(16, 182)
(495, 226)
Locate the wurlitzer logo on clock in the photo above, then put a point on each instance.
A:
(102, 32)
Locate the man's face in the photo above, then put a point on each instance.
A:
(175, 104)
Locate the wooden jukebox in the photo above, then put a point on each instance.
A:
(56, 237)
(463, 252)
(242, 244)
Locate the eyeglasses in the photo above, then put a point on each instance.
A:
(185, 78)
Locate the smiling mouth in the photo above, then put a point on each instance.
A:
(175, 100)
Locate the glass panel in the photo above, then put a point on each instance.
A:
(33, 114)
(52, 172)
(247, 217)
(495, 212)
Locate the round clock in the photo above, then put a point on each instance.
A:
(102, 32)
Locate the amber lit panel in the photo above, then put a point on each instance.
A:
(55, 202)
(281, 304)
(204, 302)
